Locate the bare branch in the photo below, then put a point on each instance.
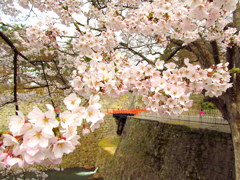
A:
(8, 102)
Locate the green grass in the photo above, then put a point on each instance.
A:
(109, 142)
(109, 145)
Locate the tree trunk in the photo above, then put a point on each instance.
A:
(229, 105)
(235, 127)
(235, 107)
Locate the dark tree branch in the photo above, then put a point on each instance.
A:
(215, 52)
(59, 73)
(135, 52)
(47, 84)
(237, 65)
(180, 44)
(174, 53)
(221, 105)
(8, 102)
(230, 59)
(72, 54)
(8, 25)
(92, 28)
(98, 5)
(15, 82)
(200, 49)
(16, 53)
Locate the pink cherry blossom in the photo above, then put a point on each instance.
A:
(85, 131)
(72, 101)
(16, 123)
(62, 146)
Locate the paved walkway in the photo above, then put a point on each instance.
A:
(205, 122)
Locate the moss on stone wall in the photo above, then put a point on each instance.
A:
(153, 150)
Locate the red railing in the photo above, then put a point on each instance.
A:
(126, 111)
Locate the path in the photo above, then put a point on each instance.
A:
(206, 122)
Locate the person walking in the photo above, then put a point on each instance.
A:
(201, 114)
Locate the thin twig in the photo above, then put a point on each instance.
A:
(48, 88)
(8, 102)
(59, 73)
(15, 82)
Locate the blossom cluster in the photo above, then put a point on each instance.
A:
(102, 76)
(165, 88)
(163, 20)
(42, 36)
(45, 136)
(186, 20)
(92, 46)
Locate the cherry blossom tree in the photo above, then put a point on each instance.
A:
(114, 47)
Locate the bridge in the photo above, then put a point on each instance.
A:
(211, 120)
(122, 115)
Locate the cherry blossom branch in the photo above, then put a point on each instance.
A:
(74, 37)
(92, 28)
(8, 25)
(65, 52)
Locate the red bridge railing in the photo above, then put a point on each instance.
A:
(126, 111)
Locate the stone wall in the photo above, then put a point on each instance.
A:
(153, 150)
(87, 152)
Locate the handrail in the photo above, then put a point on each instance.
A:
(126, 111)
